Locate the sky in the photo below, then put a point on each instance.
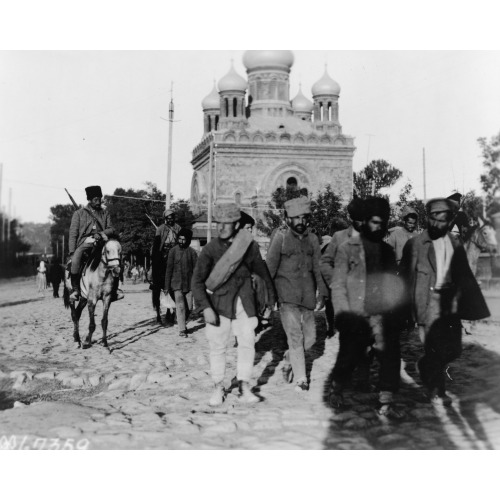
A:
(74, 118)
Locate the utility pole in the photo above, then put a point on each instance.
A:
(425, 182)
(209, 200)
(368, 150)
(63, 251)
(170, 129)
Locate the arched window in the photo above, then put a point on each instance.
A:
(291, 182)
(216, 122)
(321, 112)
(330, 111)
(209, 123)
(227, 107)
(235, 107)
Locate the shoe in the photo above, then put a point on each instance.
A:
(301, 386)
(183, 333)
(218, 395)
(388, 410)
(246, 394)
(287, 373)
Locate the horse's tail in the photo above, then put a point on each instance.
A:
(66, 296)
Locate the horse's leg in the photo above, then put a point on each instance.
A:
(104, 321)
(76, 333)
(88, 340)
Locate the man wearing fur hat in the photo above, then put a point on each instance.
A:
(228, 300)
(180, 266)
(88, 225)
(355, 210)
(367, 296)
(293, 262)
(443, 291)
(399, 235)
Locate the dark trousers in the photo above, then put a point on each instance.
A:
(359, 339)
(55, 288)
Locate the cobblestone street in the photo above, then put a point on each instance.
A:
(150, 390)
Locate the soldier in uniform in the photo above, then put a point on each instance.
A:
(88, 225)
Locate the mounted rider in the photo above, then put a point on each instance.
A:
(88, 225)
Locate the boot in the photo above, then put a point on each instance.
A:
(246, 394)
(217, 397)
(75, 283)
(117, 293)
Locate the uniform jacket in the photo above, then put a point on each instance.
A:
(167, 234)
(418, 267)
(223, 300)
(82, 226)
(293, 262)
(180, 267)
(327, 260)
(349, 279)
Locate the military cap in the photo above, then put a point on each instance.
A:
(93, 192)
(226, 212)
(168, 212)
(441, 205)
(356, 209)
(298, 206)
(408, 211)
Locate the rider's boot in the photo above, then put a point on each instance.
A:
(117, 291)
(75, 283)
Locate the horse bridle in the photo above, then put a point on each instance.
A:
(106, 262)
(482, 249)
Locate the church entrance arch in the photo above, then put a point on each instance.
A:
(289, 175)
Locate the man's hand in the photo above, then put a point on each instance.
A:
(210, 316)
(97, 237)
(104, 236)
(320, 303)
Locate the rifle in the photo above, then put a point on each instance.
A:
(72, 200)
(152, 222)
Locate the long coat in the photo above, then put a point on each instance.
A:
(180, 267)
(418, 267)
(82, 226)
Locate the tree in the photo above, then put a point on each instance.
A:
(490, 180)
(59, 230)
(378, 174)
(472, 205)
(11, 245)
(407, 198)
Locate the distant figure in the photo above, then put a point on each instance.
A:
(41, 277)
(56, 274)
(134, 273)
(399, 235)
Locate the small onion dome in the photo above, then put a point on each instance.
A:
(253, 59)
(325, 86)
(212, 100)
(301, 103)
(232, 81)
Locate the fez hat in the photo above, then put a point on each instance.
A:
(455, 197)
(226, 212)
(247, 219)
(356, 209)
(93, 192)
(297, 206)
(441, 205)
(167, 212)
(375, 206)
(408, 211)
(186, 232)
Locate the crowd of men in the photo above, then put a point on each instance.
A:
(374, 284)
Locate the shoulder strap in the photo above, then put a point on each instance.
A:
(94, 218)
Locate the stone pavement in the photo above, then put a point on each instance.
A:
(150, 390)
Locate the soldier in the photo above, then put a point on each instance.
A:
(366, 296)
(293, 262)
(88, 225)
(222, 287)
(399, 235)
(355, 209)
(180, 266)
(443, 291)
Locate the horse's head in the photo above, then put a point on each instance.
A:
(487, 237)
(112, 256)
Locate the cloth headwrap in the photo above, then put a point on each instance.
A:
(93, 192)
(168, 212)
(298, 206)
(377, 207)
(246, 219)
(356, 209)
(226, 212)
(441, 205)
(408, 211)
(187, 233)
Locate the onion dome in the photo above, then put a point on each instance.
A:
(301, 103)
(325, 86)
(212, 100)
(257, 59)
(232, 81)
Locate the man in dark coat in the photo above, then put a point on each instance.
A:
(367, 296)
(443, 291)
(180, 266)
(231, 304)
(88, 225)
(293, 262)
(56, 273)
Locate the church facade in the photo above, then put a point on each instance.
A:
(256, 139)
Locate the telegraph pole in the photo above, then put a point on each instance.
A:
(170, 129)
(425, 182)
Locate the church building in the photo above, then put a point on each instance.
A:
(256, 139)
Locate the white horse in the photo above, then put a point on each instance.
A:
(483, 239)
